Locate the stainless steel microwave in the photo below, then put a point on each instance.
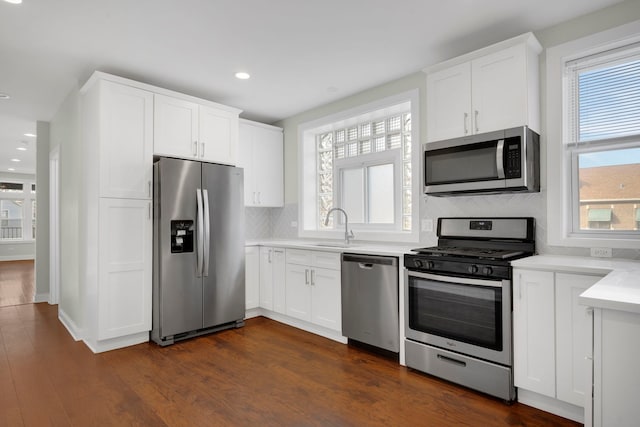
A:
(503, 161)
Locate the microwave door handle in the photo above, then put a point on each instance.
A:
(500, 158)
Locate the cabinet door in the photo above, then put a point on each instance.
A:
(279, 280)
(126, 141)
(175, 127)
(218, 136)
(326, 296)
(268, 165)
(298, 291)
(252, 276)
(534, 331)
(124, 283)
(574, 331)
(266, 278)
(449, 103)
(499, 90)
(245, 161)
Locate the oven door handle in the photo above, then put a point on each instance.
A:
(458, 280)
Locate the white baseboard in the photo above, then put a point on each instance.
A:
(41, 298)
(306, 326)
(548, 404)
(253, 312)
(115, 343)
(73, 329)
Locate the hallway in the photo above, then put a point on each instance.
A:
(16, 282)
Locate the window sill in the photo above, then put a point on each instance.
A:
(17, 242)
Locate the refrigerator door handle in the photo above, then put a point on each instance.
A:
(207, 231)
(200, 236)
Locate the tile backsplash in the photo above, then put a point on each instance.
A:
(276, 223)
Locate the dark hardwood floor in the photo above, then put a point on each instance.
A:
(263, 374)
(16, 282)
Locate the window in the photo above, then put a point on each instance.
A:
(361, 161)
(593, 139)
(17, 206)
(603, 105)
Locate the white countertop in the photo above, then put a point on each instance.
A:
(389, 249)
(619, 289)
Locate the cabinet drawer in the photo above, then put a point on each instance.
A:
(329, 260)
(298, 256)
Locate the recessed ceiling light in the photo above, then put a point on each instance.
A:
(15, 160)
(32, 135)
(242, 75)
(11, 169)
(14, 1)
(4, 96)
(21, 148)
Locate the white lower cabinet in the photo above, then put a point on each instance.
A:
(252, 277)
(552, 339)
(313, 291)
(616, 378)
(125, 262)
(272, 279)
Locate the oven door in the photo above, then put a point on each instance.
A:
(468, 316)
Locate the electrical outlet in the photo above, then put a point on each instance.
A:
(601, 252)
(427, 225)
(294, 224)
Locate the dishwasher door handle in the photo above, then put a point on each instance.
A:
(365, 266)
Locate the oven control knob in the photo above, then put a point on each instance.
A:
(429, 265)
(418, 263)
(488, 271)
(473, 269)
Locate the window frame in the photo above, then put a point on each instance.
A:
(307, 206)
(562, 160)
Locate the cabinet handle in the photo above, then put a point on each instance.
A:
(270, 251)
(202, 151)
(149, 210)
(195, 148)
(149, 189)
(476, 120)
(466, 127)
(306, 276)
(313, 280)
(259, 202)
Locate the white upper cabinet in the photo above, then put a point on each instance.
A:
(449, 102)
(491, 89)
(175, 127)
(125, 145)
(188, 130)
(261, 155)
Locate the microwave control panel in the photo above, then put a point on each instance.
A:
(512, 158)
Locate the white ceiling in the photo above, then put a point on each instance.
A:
(301, 54)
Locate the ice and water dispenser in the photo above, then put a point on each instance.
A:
(181, 236)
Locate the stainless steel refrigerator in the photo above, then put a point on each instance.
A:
(198, 259)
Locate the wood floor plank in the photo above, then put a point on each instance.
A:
(265, 374)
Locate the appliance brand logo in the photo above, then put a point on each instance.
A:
(451, 344)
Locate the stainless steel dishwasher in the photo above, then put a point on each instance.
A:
(370, 300)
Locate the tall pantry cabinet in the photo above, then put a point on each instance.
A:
(116, 220)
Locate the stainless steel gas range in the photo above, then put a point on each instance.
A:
(458, 302)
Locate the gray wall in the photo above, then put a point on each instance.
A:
(42, 211)
(64, 133)
(431, 207)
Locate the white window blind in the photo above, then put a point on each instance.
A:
(604, 95)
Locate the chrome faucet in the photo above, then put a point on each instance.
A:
(348, 234)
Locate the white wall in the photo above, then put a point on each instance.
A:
(42, 212)
(503, 205)
(65, 134)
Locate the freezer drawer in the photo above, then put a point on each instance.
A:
(370, 300)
